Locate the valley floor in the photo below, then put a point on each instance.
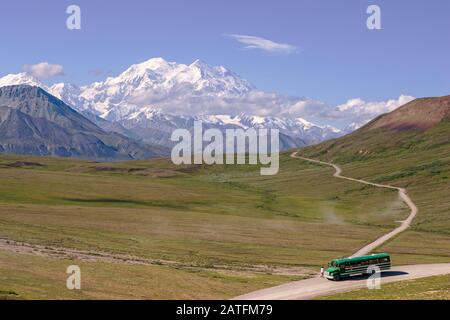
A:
(24, 276)
(203, 232)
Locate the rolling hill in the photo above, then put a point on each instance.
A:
(422, 125)
(409, 148)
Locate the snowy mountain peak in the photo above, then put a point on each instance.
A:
(21, 78)
(154, 64)
(206, 68)
(63, 89)
(157, 82)
(156, 61)
(199, 63)
(305, 123)
(147, 113)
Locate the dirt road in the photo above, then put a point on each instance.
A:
(107, 257)
(402, 193)
(316, 287)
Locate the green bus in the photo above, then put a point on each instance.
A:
(345, 267)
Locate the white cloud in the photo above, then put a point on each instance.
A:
(255, 102)
(44, 70)
(258, 43)
(305, 108)
(358, 111)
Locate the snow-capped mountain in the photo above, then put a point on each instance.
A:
(150, 123)
(296, 127)
(69, 93)
(33, 122)
(21, 78)
(158, 83)
(151, 99)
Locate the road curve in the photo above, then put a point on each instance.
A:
(316, 287)
(402, 193)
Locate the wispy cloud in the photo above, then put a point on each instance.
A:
(44, 70)
(258, 43)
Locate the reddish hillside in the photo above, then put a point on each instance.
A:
(420, 114)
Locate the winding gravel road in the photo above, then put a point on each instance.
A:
(315, 287)
(402, 193)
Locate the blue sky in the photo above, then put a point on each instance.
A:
(338, 58)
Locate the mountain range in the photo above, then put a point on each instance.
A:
(34, 122)
(149, 100)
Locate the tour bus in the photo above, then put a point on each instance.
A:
(345, 267)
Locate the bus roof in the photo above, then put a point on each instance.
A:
(362, 258)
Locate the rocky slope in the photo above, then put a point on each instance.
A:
(34, 122)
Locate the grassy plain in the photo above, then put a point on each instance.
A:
(204, 218)
(228, 229)
(35, 277)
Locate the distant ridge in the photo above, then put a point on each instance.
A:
(419, 114)
(34, 122)
(418, 126)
